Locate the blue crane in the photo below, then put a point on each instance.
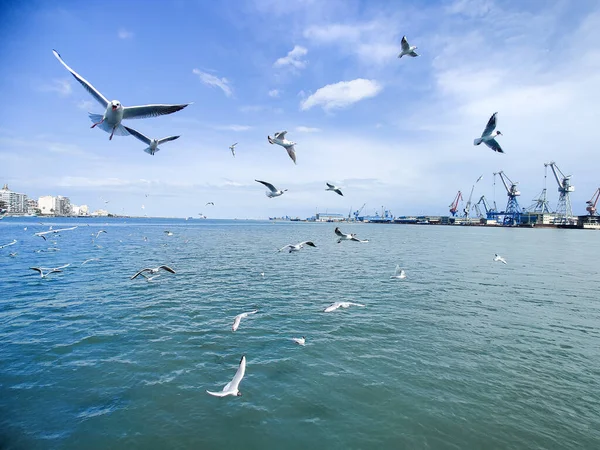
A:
(512, 214)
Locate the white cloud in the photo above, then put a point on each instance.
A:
(293, 58)
(125, 34)
(86, 105)
(274, 93)
(233, 127)
(60, 85)
(342, 94)
(302, 129)
(211, 80)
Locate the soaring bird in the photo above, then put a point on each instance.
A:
(237, 319)
(210, 203)
(110, 121)
(48, 271)
(232, 388)
(499, 258)
(279, 139)
(99, 233)
(399, 273)
(331, 187)
(232, 148)
(347, 237)
(43, 233)
(273, 191)
(152, 143)
(488, 137)
(9, 244)
(153, 270)
(337, 305)
(299, 341)
(407, 49)
(296, 248)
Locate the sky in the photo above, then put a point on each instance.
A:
(393, 133)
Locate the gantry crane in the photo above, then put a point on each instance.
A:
(454, 205)
(512, 214)
(541, 204)
(486, 207)
(592, 202)
(564, 211)
(467, 207)
(357, 212)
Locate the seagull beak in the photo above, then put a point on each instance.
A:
(114, 107)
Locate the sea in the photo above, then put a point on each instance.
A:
(464, 353)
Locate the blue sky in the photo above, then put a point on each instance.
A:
(393, 132)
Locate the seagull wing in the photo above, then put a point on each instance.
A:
(309, 243)
(141, 272)
(332, 307)
(405, 46)
(236, 322)
(493, 144)
(233, 384)
(138, 135)
(86, 84)
(167, 268)
(338, 232)
(398, 270)
(283, 248)
(330, 186)
(337, 191)
(8, 245)
(292, 152)
(37, 269)
(167, 139)
(219, 394)
(280, 134)
(355, 304)
(491, 125)
(268, 185)
(146, 111)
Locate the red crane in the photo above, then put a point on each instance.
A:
(454, 205)
(591, 203)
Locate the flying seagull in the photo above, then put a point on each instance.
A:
(153, 270)
(499, 258)
(99, 233)
(337, 305)
(279, 139)
(90, 260)
(43, 233)
(239, 317)
(407, 49)
(273, 191)
(331, 187)
(110, 121)
(232, 148)
(299, 341)
(399, 274)
(488, 137)
(232, 388)
(152, 143)
(9, 244)
(210, 203)
(48, 271)
(347, 237)
(296, 248)
(168, 233)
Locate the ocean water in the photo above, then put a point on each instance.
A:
(464, 353)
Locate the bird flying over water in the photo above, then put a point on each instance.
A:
(237, 319)
(232, 388)
(337, 305)
(296, 248)
(299, 341)
(114, 112)
(488, 137)
(347, 237)
(499, 258)
(48, 271)
(273, 191)
(9, 244)
(331, 187)
(153, 271)
(279, 139)
(152, 143)
(407, 49)
(43, 233)
(232, 148)
(399, 273)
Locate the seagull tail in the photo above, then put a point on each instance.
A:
(477, 141)
(149, 150)
(119, 130)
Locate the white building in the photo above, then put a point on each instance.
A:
(15, 202)
(47, 205)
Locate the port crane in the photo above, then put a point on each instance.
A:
(512, 214)
(357, 212)
(541, 204)
(564, 210)
(486, 206)
(467, 207)
(454, 206)
(592, 202)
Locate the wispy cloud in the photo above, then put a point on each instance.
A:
(293, 58)
(342, 94)
(212, 80)
(232, 127)
(124, 34)
(302, 129)
(59, 85)
(274, 93)
(86, 105)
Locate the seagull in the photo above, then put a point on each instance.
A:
(90, 260)
(9, 244)
(407, 49)
(262, 274)
(99, 233)
(273, 191)
(488, 137)
(13, 254)
(399, 274)
(210, 203)
(499, 258)
(347, 237)
(42, 233)
(232, 148)
(237, 319)
(153, 270)
(48, 271)
(296, 248)
(110, 121)
(331, 187)
(169, 233)
(337, 305)
(152, 143)
(279, 139)
(299, 341)
(232, 388)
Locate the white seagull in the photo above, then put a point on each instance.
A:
(153, 270)
(331, 187)
(337, 305)
(232, 148)
(237, 319)
(407, 49)
(273, 191)
(152, 143)
(48, 271)
(90, 260)
(43, 233)
(169, 233)
(279, 139)
(347, 237)
(99, 233)
(9, 244)
(299, 341)
(488, 137)
(110, 121)
(499, 258)
(232, 388)
(399, 273)
(296, 248)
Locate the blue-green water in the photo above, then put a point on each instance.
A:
(464, 353)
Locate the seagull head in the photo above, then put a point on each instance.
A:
(239, 394)
(498, 133)
(115, 104)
